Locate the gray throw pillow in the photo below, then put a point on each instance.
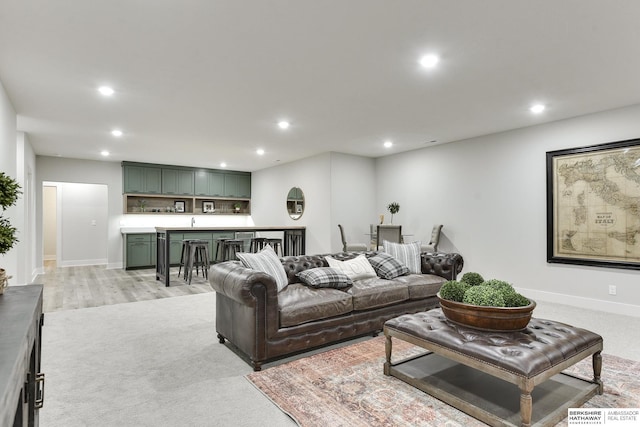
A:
(268, 262)
(406, 253)
(325, 277)
(387, 266)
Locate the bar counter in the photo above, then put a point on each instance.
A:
(163, 242)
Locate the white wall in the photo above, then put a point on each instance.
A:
(352, 198)
(55, 169)
(26, 205)
(17, 160)
(8, 261)
(49, 222)
(490, 194)
(83, 218)
(269, 189)
(338, 189)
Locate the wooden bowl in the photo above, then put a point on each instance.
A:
(498, 319)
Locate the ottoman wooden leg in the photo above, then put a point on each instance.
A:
(526, 404)
(597, 370)
(387, 352)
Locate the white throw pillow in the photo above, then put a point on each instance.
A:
(406, 253)
(268, 262)
(357, 268)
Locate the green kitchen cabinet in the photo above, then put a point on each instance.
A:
(177, 182)
(175, 244)
(140, 251)
(209, 183)
(237, 185)
(142, 179)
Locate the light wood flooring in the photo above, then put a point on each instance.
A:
(70, 288)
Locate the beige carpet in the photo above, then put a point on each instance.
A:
(346, 387)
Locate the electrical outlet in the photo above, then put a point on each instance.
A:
(612, 289)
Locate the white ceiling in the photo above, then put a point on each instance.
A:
(203, 81)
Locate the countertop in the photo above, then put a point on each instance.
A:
(241, 228)
(137, 230)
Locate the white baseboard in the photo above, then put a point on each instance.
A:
(588, 303)
(83, 262)
(115, 266)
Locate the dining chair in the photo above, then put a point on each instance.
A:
(348, 247)
(432, 246)
(373, 236)
(390, 233)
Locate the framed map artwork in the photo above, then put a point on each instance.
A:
(593, 205)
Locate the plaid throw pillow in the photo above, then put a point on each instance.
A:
(387, 266)
(268, 262)
(324, 277)
(407, 253)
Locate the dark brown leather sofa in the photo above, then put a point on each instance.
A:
(263, 325)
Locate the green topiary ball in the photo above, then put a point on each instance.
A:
(484, 295)
(516, 300)
(472, 278)
(504, 287)
(453, 290)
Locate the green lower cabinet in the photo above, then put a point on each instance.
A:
(140, 251)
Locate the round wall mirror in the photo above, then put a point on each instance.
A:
(295, 203)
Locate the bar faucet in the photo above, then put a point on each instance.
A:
(193, 221)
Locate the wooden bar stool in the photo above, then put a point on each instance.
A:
(276, 244)
(257, 244)
(198, 257)
(231, 247)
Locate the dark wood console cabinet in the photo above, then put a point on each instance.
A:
(21, 382)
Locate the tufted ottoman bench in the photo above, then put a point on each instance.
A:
(475, 370)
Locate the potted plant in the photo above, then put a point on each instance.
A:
(393, 208)
(9, 192)
(236, 207)
(492, 305)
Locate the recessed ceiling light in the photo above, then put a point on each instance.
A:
(388, 144)
(116, 132)
(106, 90)
(223, 165)
(260, 151)
(429, 61)
(283, 124)
(537, 108)
(104, 153)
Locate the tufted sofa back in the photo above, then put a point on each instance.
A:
(295, 264)
(446, 265)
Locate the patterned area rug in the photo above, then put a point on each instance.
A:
(346, 387)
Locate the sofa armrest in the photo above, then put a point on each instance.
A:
(241, 284)
(447, 265)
